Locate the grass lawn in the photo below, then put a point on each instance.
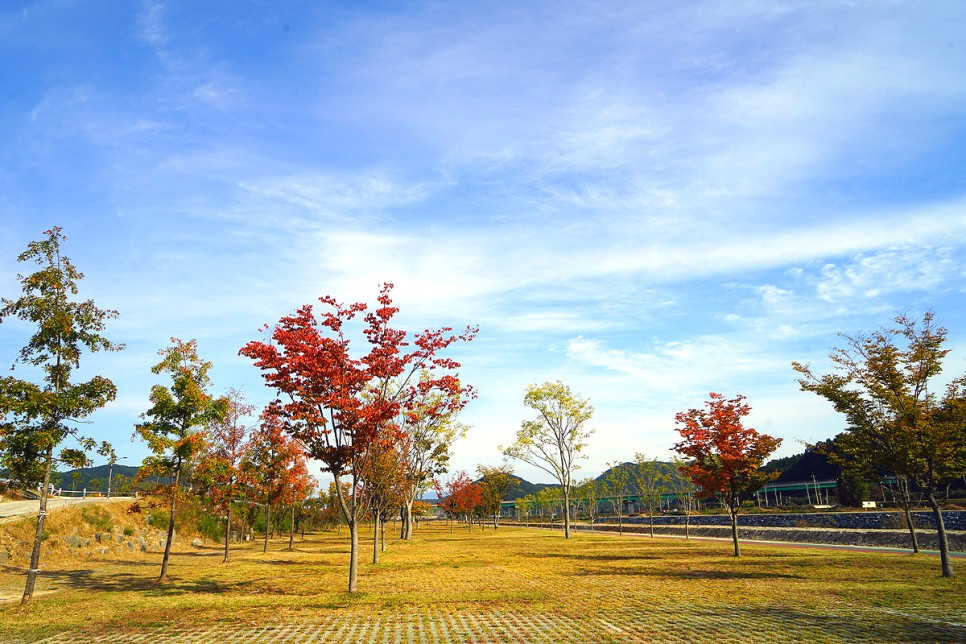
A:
(513, 584)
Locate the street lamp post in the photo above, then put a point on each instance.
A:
(110, 473)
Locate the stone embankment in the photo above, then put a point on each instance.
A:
(878, 529)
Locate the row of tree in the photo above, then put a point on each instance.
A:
(382, 423)
(883, 383)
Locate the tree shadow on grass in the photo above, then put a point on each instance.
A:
(666, 573)
(92, 580)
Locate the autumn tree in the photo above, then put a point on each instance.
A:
(384, 486)
(652, 483)
(555, 439)
(273, 465)
(336, 404)
(617, 487)
(430, 428)
(726, 455)
(885, 384)
(221, 466)
(176, 424)
(496, 482)
(35, 419)
(459, 497)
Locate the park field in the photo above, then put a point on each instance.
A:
(509, 585)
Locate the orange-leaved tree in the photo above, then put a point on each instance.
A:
(338, 404)
(459, 497)
(274, 465)
(727, 456)
(220, 468)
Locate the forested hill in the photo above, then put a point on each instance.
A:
(93, 478)
(799, 467)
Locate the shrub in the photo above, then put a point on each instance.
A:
(97, 518)
(158, 519)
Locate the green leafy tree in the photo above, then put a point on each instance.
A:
(652, 484)
(588, 493)
(684, 490)
(523, 506)
(35, 419)
(496, 482)
(430, 428)
(884, 383)
(555, 440)
(176, 425)
(617, 486)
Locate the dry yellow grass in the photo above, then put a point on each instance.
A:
(510, 585)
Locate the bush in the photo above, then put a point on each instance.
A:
(97, 518)
(158, 519)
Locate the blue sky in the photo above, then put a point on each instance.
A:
(649, 201)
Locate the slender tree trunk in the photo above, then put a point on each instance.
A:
(406, 527)
(227, 532)
(687, 526)
(620, 523)
(268, 522)
(353, 554)
(911, 526)
(905, 498)
(291, 529)
(382, 536)
(566, 512)
(375, 537)
(946, 561)
(650, 518)
(733, 511)
(163, 578)
(34, 569)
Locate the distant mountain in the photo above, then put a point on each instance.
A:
(802, 467)
(93, 479)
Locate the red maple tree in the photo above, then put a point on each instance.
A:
(459, 497)
(726, 455)
(338, 404)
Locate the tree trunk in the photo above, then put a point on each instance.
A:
(268, 516)
(353, 553)
(733, 511)
(650, 518)
(687, 526)
(406, 514)
(566, 512)
(906, 500)
(382, 536)
(227, 531)
(946, 561)
(163, 578)
(291, 529)
(34, 569)
(620, 523)
(375, 537)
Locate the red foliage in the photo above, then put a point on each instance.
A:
(726, 455)
(460, 495)
(338, 405)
